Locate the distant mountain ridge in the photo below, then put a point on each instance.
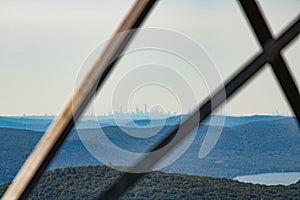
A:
(251, 148)
(41, 123)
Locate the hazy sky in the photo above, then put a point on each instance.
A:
(44, 43)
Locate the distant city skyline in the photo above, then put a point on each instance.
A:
(140, 113)
(146, 114)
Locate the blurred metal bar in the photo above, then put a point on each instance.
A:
(235, 83)
(45, 150)
(279, 66)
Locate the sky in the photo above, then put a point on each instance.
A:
(45, 47)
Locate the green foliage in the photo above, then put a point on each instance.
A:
(86, 182)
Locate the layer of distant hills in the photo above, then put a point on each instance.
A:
(87, 182)
(247, 145)
(41, 123)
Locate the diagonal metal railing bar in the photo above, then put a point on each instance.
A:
(279, 66)
(51, 141)
(235, 83)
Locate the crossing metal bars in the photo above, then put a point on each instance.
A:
(270, 52)
(279, 66)
(52, 140)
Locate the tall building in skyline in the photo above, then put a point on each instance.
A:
(146, 108)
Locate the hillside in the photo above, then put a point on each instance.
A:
(17, 144)
(86, 182)
(256, 147)
(252, 148)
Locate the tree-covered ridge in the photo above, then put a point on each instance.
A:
(86, 182)
(257, 147)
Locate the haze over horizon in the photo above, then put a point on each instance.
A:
(44, 44)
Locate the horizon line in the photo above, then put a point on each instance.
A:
(227, 114)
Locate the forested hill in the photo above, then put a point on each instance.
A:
(86, 182)
(256, 147)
